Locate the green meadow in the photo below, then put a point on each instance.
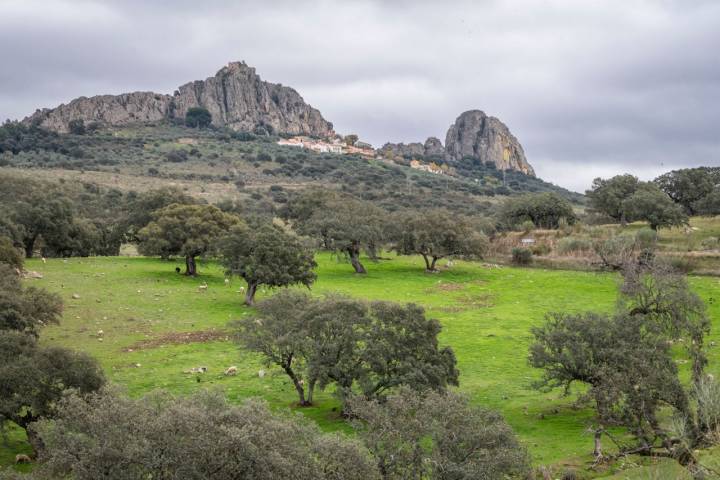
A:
(156, 325)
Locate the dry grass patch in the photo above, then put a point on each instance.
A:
(180, 338)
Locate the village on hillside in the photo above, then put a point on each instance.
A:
(336, 145)
(345, 146)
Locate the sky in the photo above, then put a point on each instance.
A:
(589, 87)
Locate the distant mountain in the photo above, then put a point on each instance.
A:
(236, 97)
(473, 135)
(239, 99)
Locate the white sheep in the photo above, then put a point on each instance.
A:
(231, 370)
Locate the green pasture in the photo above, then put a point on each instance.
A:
(144, 309)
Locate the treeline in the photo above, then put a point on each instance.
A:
(665, 202)
(60, 219)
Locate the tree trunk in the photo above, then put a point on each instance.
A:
(311, 391)
(25, 422)
(432, 265)
(298, 386)
(354, 252)
(623, 220)
(35, 442)
(29, 247)
(250, 294)
(190, 267)
(597, 450)
(3, 433)
(427, 262)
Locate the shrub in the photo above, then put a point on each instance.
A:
(710, 243)
(569, 245)
(9, 254)
(527, 226)
(77, 126)
(683, 264)
(176, 156)
(707, 393)
(243, 136)
(646, 238)
(521, 256)
(540, 249)
(198, 117)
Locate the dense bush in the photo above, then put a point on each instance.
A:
(521, 256)
(16, 137)
(438, 436)
(9, 254)
(77, 126)
(106, 435)
(176, 156)
(198, 117)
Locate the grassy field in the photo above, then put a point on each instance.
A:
(157, 324)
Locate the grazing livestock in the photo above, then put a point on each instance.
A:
(196, 370)
(22, 458)
(231, 370)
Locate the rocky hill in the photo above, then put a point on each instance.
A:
(475, 135)
(236, 97)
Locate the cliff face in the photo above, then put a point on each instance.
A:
(236, 97)
(477, 135)
(107, 110)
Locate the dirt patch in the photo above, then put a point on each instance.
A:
(180, 338)
(447, 287)
(452, 309)
(481, 300)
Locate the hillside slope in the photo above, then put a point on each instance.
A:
(222, 164)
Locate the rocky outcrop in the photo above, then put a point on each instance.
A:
(236, 97)
(402, 150)
(434, 147)
(106, 110)
(431, 147)
(476, 135)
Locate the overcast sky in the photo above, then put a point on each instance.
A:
(590, 88)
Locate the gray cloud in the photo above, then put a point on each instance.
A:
(589, 88)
